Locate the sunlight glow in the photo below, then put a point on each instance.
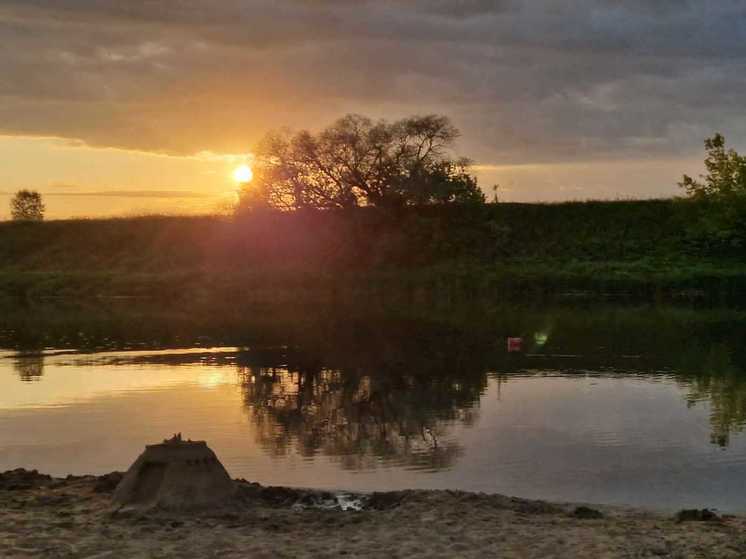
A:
(243, 174)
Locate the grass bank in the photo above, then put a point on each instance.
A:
(638, 248)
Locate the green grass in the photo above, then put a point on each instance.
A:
(642, 248)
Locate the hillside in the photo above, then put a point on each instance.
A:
(638, 247)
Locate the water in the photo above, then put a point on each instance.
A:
(639, 406)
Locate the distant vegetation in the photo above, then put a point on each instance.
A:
(359, 162)
(26, 205)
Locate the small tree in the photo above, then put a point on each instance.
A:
(359, 162)
(495, 193)
(726, 173)
(722, 192)
(26, 205)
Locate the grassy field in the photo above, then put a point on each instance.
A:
(644, 248)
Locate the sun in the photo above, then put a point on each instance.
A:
(243, 174)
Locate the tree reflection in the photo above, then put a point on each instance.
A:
(719, 382)
(393, 407)
(29, 367)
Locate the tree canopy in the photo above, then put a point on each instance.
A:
(726, 172)
(723, 192)
(360, 162)
(26, 205)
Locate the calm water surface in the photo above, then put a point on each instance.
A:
(630, 406)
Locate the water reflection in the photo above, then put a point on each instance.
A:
(360, 418)
(29, 367)
(398, 404)
(714, 379)
(400, 390)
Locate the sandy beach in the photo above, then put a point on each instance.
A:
(42, 516)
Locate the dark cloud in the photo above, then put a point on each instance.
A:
(524, 80)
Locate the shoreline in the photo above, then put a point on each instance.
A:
(687, 281)
(41, 516)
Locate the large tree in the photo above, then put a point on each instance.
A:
(26, 205)
(357, 161)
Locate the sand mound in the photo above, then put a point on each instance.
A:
(175, 474)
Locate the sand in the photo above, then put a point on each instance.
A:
(74, 517)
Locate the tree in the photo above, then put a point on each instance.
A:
(722, 192)
(27, 205)
(359, 162)
(726, 173)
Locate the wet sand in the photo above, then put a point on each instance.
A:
(75, 517)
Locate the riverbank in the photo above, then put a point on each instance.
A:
(74, 517)
(643, 249)
(713, 281)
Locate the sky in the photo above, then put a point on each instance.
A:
(146, 106)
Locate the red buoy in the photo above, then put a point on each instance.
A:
(514, 344)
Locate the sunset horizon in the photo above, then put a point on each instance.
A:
(113, 110)
(373, 279)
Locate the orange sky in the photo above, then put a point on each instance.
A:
(81, 181)
(589, 99)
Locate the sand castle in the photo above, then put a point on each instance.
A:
(175, 474)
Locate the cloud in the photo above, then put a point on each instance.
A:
(526, 81)
(135, 194)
